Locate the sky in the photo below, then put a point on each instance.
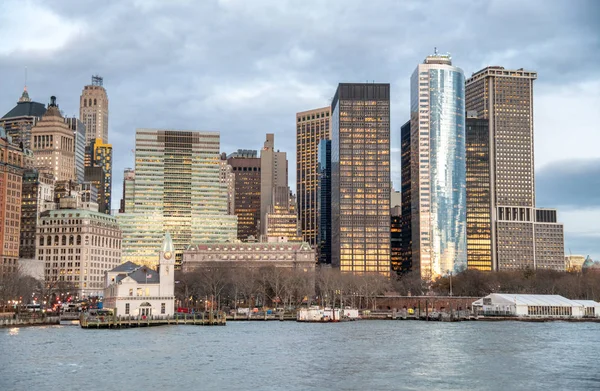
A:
(244, 68)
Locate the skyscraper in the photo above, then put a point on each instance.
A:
(93, 110)
(177, 190)
(273, 173)
(128, 183)
(324, 201)
(18, 122)
(98, 170)
(406, 249)
(246, 168)
(521, 235)
(311, 127)
(227, 177)
(360, 172)
(281, 221)
(37, 188)
(54, 144)
(438, 170)
(78, 129)
(11, 173)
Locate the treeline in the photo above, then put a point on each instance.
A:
(20, 287)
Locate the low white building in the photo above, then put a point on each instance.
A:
(134, 290)
(542, 306)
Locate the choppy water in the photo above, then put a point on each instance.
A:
(364, 355)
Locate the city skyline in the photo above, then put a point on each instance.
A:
(283, 78)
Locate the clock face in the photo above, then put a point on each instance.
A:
(167, 255)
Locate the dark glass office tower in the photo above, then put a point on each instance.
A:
(360, 172)
(246, 168)
(479, 207)
(324, 200)
(405, 220)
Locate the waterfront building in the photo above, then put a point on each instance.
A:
(78, 245)
(438, 168)
(177, 190)
(281, 222)
(79, 133)
(53, 144)
(299, 255)
(227, 178)
(37, 188)
(273, 173)
(135, 290)
(360, 172)
(18, 122)
(11, 174)
(535, 306)
(93, 110)
(98, 170)
(324, 202)
(128, 183)
(312, 127)
(246, 169)
(406, 249)
(505, 98)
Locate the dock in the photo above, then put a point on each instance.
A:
(119, 322)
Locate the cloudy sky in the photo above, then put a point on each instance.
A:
(244, 68)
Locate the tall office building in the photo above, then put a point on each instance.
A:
(128, 183)
(396, 239)
(521, 235)
(311, 127)
(438, 170)
(11, 173)
(273, 173)
(98, 170)
(78, 129)
(324, 201)
(18, 122)
(479, 206)
(281, 221)
(227, 177)
(93, 110)
(37, 189)
(53, 144)
(246, 169)
(406, 250)
(177, 190)
(360, 173)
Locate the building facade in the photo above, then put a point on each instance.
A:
(78, 246)
(255, 255)
(93, 110)
(227, 178)
(479, 202)
(246, 168)
(396, 239)
(438, 168)
(79, 133)
(18, 122)
(406, 249)
(177, 190)
(98, 170)
(281, 221)
(11, 173)
(53, 144)
(37, 189)
(128, 184)
(360, 172)
(505, 98)
(324, 202)
(273, 173)
(311, 127)
(135, 290)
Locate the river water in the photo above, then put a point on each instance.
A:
(363, 355)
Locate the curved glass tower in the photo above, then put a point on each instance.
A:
(438, 168)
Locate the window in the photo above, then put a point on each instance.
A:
(127, 308)
(162, 308)
(139, 291)
(130, 291)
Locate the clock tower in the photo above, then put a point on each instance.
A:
(166, 267)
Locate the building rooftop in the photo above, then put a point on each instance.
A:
(26, 109)
(530, 300)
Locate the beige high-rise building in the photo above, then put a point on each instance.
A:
(281, 222)
(521, 235)
(93, 110)
(53, 145)
(312, 126)
(227, 178)
(274, 173)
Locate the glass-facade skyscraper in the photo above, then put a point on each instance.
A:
(360, 178)
(438, 169)
(324, 201)
(406, 264)
(176, 190)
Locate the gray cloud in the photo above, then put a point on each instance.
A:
(569, 184)
(245, 68)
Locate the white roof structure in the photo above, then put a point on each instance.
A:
(531, 300)
(587, 303)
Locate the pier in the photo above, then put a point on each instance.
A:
(119, 322)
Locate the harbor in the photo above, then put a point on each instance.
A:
(108, 321)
